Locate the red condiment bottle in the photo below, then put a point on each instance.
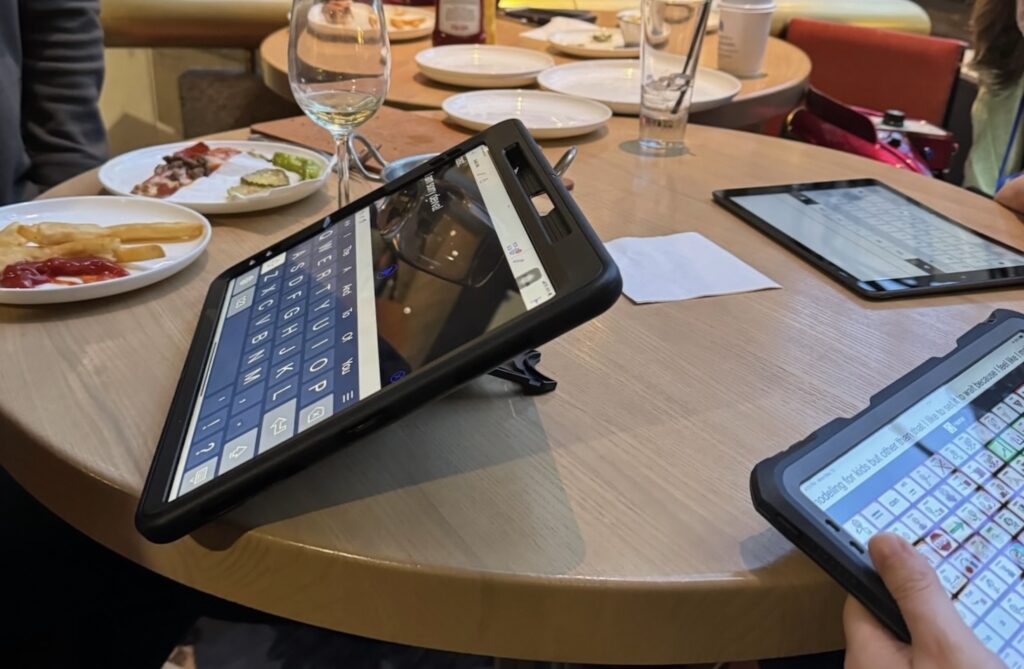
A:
(459, 22)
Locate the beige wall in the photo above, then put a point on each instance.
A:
(140, 102)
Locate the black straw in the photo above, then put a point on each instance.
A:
(698, 38)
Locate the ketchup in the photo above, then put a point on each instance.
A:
(30, 274)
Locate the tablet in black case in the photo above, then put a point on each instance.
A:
(938, 458)
(875, 240)
(358, 319)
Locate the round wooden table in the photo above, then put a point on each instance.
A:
(607, 522)
(787, 69)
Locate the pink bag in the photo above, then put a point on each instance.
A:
(887, 137)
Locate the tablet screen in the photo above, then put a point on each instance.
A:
(357, 306)
(875, 234)
(948, 475)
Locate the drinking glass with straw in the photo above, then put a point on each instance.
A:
(673, 32)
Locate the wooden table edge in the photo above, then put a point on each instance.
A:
(422, 611)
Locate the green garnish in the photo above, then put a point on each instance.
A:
(304, 167)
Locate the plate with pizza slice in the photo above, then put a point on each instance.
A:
(218, 176)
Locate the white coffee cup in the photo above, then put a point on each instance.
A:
(743, 28)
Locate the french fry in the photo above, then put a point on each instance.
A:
(156, 232)
(9, 235)
(49, 234)
(125, 254)
(102, 247)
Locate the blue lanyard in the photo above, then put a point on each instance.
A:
(1003, 176)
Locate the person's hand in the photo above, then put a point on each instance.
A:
(941, 639)
(1011, 195)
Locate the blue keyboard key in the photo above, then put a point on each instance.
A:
(318, 343)
(252, 376)
(300, 251)
(317, 388)
(292, 297)
(265, 305)
(248, 399)
(286, 350)
(323, 274)
(264, 321)
(289, 331)
(284, 370)
(321, 324)
(319, 307)
(318, 364)
(321, 290)
(215, 402)
(291, 314)
(294, 281)
(243, 422)
(266, 290)
(346, 364)
(255, 356)
(210, 425)
(282, 393)
(254, 340)
(204, 448)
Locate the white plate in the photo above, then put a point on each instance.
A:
(483, 65)
(362, 11)
(616, 83)
(581, 43)
(208, 195)
(713, 19)
(545, 115)
(106, 211)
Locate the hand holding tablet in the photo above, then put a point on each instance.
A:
(937, 459)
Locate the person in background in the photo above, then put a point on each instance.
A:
(998, 147)
(51, 70)
(941, 639)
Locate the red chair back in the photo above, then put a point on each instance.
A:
(881, 69)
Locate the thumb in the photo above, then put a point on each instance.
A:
(926, 608)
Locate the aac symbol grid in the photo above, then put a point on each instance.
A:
(969, 526)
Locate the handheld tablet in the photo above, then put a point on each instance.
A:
(875, 240)
(356, 320)
(937, 458)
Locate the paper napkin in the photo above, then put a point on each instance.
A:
(681, 267)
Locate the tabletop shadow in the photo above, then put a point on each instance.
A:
(482, 425)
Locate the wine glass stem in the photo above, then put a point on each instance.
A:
(341, 149)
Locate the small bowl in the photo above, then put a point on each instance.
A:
(629, 24)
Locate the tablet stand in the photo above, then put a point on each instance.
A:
(522, 369)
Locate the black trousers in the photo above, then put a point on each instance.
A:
(69, 602)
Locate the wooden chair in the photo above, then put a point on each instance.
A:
(881, 69)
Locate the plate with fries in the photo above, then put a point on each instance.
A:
(136, 242)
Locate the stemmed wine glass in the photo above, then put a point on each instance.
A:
(339, 63)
